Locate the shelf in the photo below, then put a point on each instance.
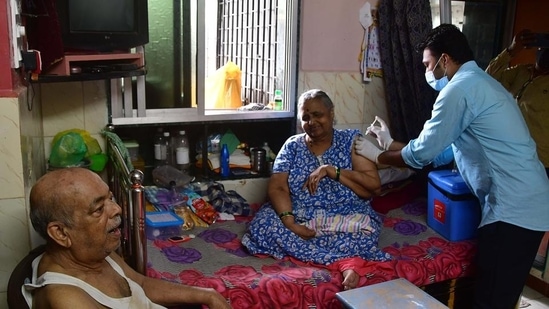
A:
(93, 67)
(52, 78)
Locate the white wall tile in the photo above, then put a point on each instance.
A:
(11, 165)
(253, 190)
(95, 106)
(14, 237)
(3, 300)
(348, 98)
(325, 81)
(374, 102)
(62, 106)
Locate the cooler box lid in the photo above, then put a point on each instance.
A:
(162, 219)
(449, 181)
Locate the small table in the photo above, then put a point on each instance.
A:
(398, 293)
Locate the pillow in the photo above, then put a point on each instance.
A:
(392, 174)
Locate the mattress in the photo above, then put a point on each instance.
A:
(215, 258)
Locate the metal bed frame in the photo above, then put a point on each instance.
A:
(127, 188)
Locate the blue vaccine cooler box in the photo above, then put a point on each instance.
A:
(452, 210)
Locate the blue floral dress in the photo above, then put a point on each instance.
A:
(267, 234)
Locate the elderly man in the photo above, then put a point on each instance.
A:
(74, 211)
(495, 154)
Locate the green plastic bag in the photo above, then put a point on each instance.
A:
(91, 143)
(69, 150)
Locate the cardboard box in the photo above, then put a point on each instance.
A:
(452, 210)
(398, 293)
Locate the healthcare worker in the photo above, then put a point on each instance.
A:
(494, 153)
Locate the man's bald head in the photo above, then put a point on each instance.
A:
(54, 197)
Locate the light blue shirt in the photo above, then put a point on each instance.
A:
(492, 147)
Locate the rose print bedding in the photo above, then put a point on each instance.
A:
(215, 258)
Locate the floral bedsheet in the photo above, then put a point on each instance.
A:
(215, 258)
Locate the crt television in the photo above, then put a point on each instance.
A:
(102, 25)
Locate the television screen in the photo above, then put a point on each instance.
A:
(102, 15)
(103, 25)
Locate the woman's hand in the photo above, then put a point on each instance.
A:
(300, 230)
(314, 178)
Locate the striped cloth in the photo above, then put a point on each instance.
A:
(353, 223)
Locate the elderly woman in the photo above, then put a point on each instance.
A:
(319, 209)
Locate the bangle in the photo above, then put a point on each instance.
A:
(338, 173)
(286, 214)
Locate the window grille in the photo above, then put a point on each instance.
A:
(247, 36)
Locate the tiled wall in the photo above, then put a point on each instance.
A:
(12, 195)
(21, 159)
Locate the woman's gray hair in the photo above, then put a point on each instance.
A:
(315, 94)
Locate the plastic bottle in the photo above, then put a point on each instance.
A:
(181, 151)
(269, 155)
(170, 153)
(278, 100)
(224, 161)
(159, 142)
(166, 149)
(176, 198)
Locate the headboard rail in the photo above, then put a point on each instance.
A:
(127, 188)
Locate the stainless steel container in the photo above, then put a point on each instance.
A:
(259, 162)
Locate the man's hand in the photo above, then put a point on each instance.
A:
(381, 133)
(218, 302)
(367, 149)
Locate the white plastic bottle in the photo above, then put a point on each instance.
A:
(159, 143)
(181, 150)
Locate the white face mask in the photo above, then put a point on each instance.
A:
(436, 84)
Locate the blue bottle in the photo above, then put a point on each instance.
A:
(224, 161)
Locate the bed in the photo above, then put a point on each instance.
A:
(215, 257)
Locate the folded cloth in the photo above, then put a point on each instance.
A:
(253, 107)
(229, 202)
(353, 223)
